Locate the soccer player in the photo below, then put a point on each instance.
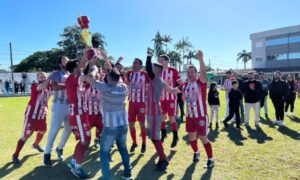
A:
(168, 100)
(60, 112)
(194, 92)
(138, 81)
(154, 114)
(77, 118)
(35, 115)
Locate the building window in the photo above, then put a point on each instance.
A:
(294, 55)
(258, 44)
(294, 39)
(277, 57)
(274, 42)
(258, 59)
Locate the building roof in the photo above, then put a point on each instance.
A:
(275, 32)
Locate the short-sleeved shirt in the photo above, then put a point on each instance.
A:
(195, 96)
(170, 76)
(60, 96)
(138, 82)
(38, 103)
(114, 103)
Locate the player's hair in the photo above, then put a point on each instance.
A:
(158, 66)
(114, 74)
(250, 72)
(234, 82)
(71, 65)
(277, 72)
(118, 64)
(139, 60)
(60, 60)
(165, 57)
(228, 72)
(40, 72)
(192, 67)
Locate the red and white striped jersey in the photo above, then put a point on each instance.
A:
(92, 101)
(75, 92)
(170, 76)
(195, 96)
(38, 103)
(138, 84)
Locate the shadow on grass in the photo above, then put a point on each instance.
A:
(267, 121)
(207, 174)
(189, 171)
(149, 169)
(258, 134)
(213, 134)
(235, 135)
(295, 119)
(10, 167)
(289, 132)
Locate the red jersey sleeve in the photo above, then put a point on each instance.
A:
(34, 88)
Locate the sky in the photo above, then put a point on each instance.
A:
(220, 28)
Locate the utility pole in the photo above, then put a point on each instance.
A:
(12, 69)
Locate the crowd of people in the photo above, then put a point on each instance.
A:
(86, 96)
(7, 87)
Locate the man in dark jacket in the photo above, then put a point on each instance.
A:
(278, 92)
(252, 95)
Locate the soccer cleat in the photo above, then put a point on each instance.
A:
(79, 172)
(196, 157)
(38, 148)
(143, 149)
(47, 159)
(15, 159)
(163, 135)
(96, 143)
(225, 124)
(280, 123)
(276, 121)
(291, 114)
(59, 153)
(132, 148)
(126, 177)
(210, 163)
(285, 113)
(162, 165)
(217, 125)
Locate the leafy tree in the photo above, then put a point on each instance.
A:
(175, 59)
(191, 55)
(244, 56)
(166, 39)
(183, 45)
(158, 44)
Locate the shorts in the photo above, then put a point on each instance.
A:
(95, 121)
(136, 112)
(153, 127)
(31, 125)
(168, 107)
(199, 125)
(80, 127)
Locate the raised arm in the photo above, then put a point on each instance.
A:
(202, 67)
(149, 63)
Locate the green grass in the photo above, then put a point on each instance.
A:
(267, 153)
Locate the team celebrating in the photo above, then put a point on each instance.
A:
(86, 96)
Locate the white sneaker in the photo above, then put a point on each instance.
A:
(276, 121)
(291, 114)
(280, 123)
(285, 113)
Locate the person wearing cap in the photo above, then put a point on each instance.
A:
(265, 85)
(252, 95)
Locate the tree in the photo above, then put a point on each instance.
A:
(183, 45)
(191, 55)
(166, 39)
(175, 59)
(244, 56)
(72, 43)
(158, 43)
(40, 61)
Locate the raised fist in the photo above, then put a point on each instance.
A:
(150, 52)
(200, 55)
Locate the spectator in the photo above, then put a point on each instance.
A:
(6, 84)
(2, 89)
(22, 86)
(252, 94)
(16, 86)
(278, 93)
(227, 87)
(290, 101)
(264, 98)
(241, 88)
(214, 103)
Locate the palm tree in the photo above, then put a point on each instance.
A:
(167, 39)
(191, 55)
(183, 45)
(245, 56)
(158, 43)
(175, 59)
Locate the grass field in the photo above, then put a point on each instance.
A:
(268, 152)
